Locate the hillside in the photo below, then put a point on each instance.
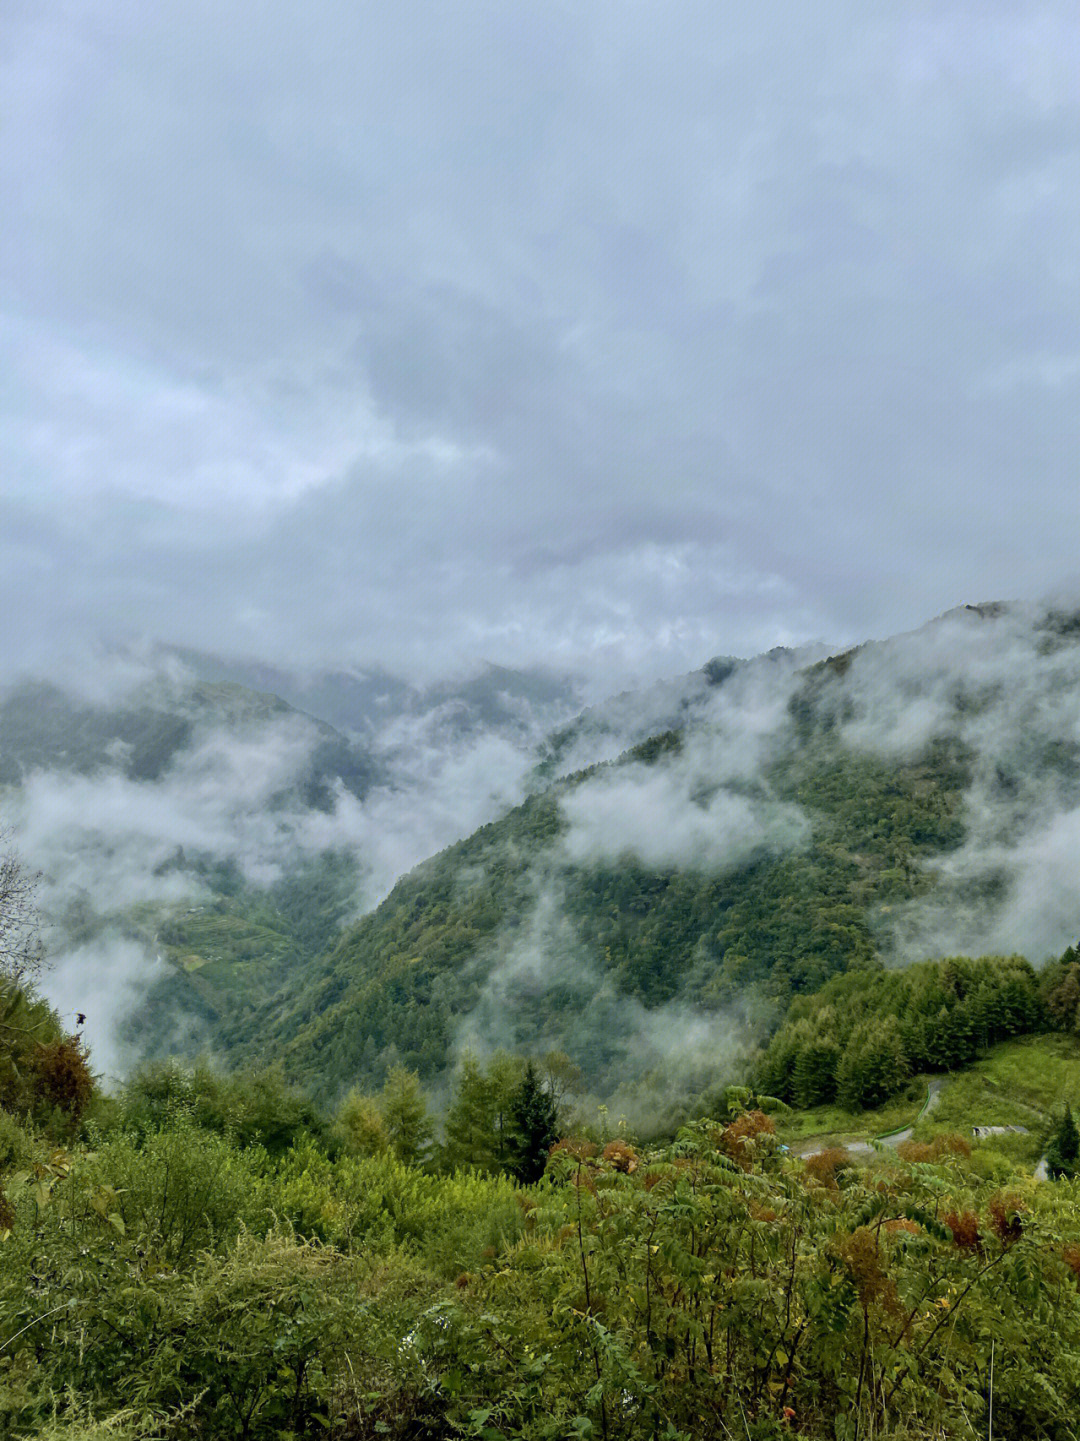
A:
(897, 801)
(649, 887)
(201, 842)
(165, 821)
(363, 702)
(505, 932)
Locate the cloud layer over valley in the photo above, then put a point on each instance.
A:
(112, 846)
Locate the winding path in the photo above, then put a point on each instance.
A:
(889, 1138)
(894, 1138)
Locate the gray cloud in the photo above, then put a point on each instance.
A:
(614, 336)
(658, 820)
(658, 1056)
(706, 808)
(105, 843)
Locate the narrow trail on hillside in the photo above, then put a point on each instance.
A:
(891, 1138)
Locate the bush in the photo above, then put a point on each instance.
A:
(180, 1190)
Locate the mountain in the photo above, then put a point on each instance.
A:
(648, 885)
(363, 702)
(907, 798)
(165, 821)
(43, 727)
(201, 841)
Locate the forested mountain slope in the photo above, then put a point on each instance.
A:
(661, 878)
(899, 801)
(201, 842)
(508, 935)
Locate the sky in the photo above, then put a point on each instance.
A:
(604, 336)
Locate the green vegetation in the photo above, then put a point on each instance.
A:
(178, 1270)
(1015, 1082)
(210, 1256)
(832, 1125)
(863, 1034)
(397, 985)
(384, 1235)
(230, 948)
(1063, 1146)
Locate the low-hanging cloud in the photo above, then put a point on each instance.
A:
(706, 806)
(109, 845)
(653, 816)
(654, 1055)
(105, 979)
(1003, 682)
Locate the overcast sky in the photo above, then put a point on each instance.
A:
(618, 334)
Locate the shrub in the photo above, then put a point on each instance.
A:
(181, 1189)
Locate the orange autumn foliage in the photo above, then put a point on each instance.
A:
(738, 1140)
(823, 1166)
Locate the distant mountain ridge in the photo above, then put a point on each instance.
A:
(682, 862)
(793, 821)
(43, 727)
(361, 701)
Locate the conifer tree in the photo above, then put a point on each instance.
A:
(534, 1127)
(505, 1074)
(360, 1125)
(1063, 1147)
(405, 1115)
(471, 1137)
(814, 1077)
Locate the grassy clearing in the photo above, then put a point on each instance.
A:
(833, 1125)
(1018, 1083)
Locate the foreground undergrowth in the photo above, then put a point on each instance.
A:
(170, 1284)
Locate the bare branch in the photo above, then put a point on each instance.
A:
(21, 950)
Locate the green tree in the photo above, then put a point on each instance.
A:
(470, 1118)
(1063, 1147)
(360, 1125)
(534, 1127)
(405, 1115)
(505, 1072)
(874, 1065)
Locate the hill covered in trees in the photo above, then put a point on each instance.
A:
(654, 884)
(797, 823)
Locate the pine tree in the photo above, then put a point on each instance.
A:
(505, 1074)
(1063, 1147)
(360, 1125)
(534, 1127)
(814, 1077)
(471, 1137)
(405, 1114)
(874, 1065)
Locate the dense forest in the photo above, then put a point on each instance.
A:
(397, 985)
